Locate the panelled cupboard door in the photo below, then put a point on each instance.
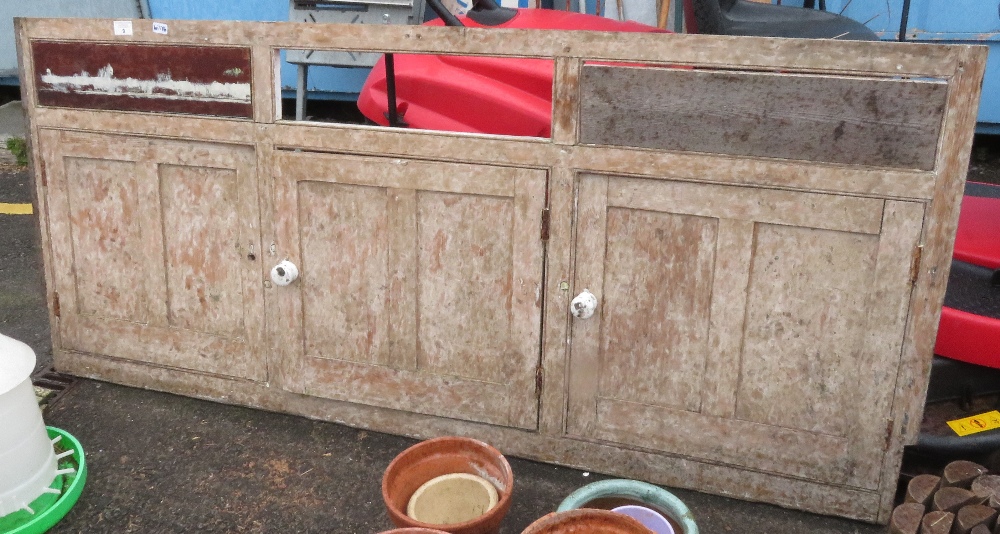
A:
(420, 284)
(154, 247)
(744, 326)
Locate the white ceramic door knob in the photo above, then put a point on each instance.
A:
(584, 305)
(284, 273)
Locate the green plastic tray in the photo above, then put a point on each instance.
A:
(50, 508)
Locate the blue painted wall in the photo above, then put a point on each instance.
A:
(945, 21)
(262, 10)
(928, 19)
(126, 9)
(964, 22)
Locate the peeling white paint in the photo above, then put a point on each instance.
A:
(105, 83)
(484, 473)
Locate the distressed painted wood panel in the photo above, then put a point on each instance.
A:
(803, 332)
(770, 449)
(832, 212)
(465, 328)
(853, 180)
(877, 122)
(106, 237)
(159, 237)
(731, 339)
(657, 289)
(199, 80)
(420, 295)
(345, 264)
(200, 209)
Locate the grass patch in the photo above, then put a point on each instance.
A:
(19, 147)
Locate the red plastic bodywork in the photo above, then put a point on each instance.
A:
(978, 238)
(505, 96)
(966, 336)
(969, 338)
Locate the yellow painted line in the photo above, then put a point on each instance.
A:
(15, 209)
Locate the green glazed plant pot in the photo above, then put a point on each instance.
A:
(608, 494)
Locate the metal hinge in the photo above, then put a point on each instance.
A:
(55, 305)
(915, 265)
(889, 427)
(539, 381)
(545, 224)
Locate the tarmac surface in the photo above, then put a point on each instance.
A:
(160, 463)
(163, 463)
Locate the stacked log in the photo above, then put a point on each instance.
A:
(965, 499)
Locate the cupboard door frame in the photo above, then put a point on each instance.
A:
(717, 422)
(156, 331)
(389, 359)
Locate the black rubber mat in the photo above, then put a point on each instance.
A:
(976, 189)
(971, 289)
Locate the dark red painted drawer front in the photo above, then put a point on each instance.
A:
(130, 77)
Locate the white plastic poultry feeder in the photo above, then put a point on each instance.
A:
(28, 463)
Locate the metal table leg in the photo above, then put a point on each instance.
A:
(300, 92)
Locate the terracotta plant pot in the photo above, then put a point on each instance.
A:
(609, 494)
(413, 531)
(441, 456)
(585, 521)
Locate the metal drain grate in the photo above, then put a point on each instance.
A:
(50, 386)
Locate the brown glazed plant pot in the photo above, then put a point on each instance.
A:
(441, 456)
(584, 521)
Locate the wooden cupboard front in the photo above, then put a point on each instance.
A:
(157, 243)
(768, 277)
